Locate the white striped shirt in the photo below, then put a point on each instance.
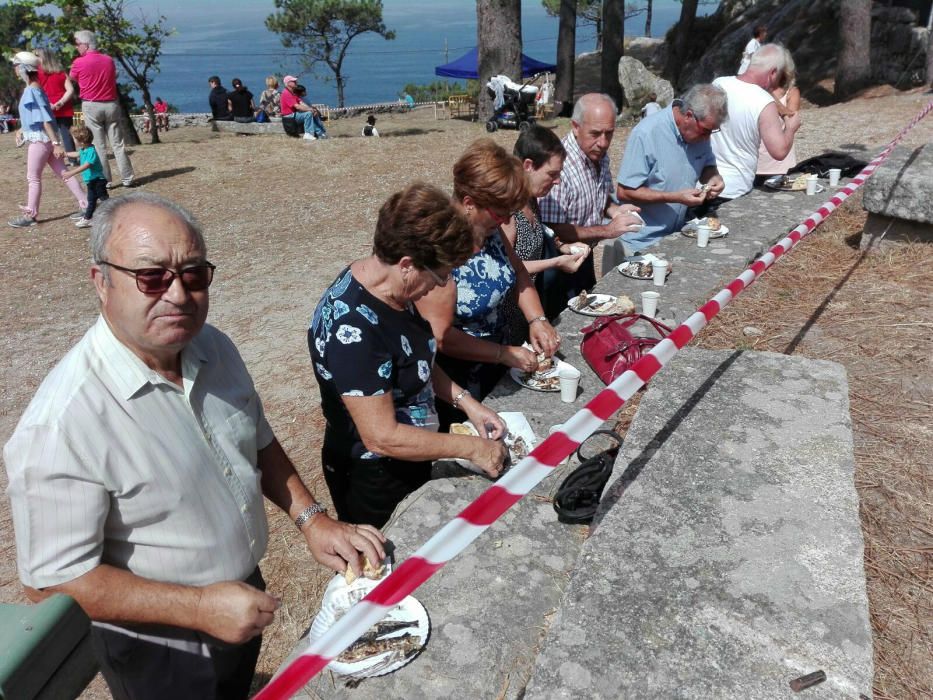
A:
(113, 464)
(583, 192)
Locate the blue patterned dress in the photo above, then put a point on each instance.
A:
(360, 346)
(484, 283)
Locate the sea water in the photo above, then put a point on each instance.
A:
(229, 38)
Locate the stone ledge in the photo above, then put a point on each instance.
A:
(488, 608)
(882, 232)
(733, 562)
(225, 127)
(902, 187)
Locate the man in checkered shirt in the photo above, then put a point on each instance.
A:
(577, 207)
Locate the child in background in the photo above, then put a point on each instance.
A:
(6, 118)
(370, 128)
(90, 169)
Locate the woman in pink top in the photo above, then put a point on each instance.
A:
(787, 97)
(40, 134)
(61, 91)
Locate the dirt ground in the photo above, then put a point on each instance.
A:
(283, 217)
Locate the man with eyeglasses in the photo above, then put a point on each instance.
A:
(96, 77)
(668, 166)
(137, 473)
(753, 120)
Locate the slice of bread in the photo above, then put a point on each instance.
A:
(369, 571)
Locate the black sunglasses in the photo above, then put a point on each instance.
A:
(157, 280)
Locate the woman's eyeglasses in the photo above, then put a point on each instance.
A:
(438, 280)
(157, 280)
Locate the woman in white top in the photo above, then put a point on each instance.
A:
(787, 98)
(758, 38)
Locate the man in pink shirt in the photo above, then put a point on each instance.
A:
(294, 107)
(96, 76)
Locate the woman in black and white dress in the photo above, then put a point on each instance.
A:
(542, 156)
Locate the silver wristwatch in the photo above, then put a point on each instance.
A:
(308, 513)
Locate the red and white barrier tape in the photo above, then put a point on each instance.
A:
(454, 537)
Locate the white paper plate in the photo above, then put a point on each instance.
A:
(519, 377)
(517, 425)
(780, 183)
(593, 309)
(690, 230)
(628, 268)
(339, 597)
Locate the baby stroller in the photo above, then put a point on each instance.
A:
(511, 103)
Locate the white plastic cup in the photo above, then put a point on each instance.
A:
(702, 236)
(569, 381)
(649, 303)
(811, 184)
(834, 175)
(659, 270)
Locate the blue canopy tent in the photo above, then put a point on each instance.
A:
(467, 66)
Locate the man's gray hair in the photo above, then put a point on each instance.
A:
(590, 100)
(771, 56)
(707, 100)
(86, 36)
(107, 212)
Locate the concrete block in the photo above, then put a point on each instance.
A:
(249, 127)
(727, 557)
(488, 607)
(882, 232)
(902, 187)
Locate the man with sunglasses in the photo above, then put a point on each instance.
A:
(754, 119)
(137, 473)
(668, 166)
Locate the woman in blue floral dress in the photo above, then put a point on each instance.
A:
(468, 318)
(373, 357)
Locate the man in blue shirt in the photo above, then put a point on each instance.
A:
(666, 155)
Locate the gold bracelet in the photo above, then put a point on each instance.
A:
(536, 318)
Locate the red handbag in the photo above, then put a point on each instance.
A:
(608, 347)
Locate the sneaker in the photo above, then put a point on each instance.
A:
(128, 182)
(112, 185)
(310, 137)
(83, 223)
(22, 222)
(77, 216)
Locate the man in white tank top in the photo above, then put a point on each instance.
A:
(753, 119)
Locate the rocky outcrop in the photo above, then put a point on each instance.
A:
(638, 83)
(636, 79)
(586, 74)
(898, 47)
(810, 29)
(651, 52)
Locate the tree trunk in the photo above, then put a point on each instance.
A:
(677, 52)
(648, 9)
(499, 38)
(853, 65)
(338, 78)
(566, 58)
(130, 135)
(613, 37)
(930, 50)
